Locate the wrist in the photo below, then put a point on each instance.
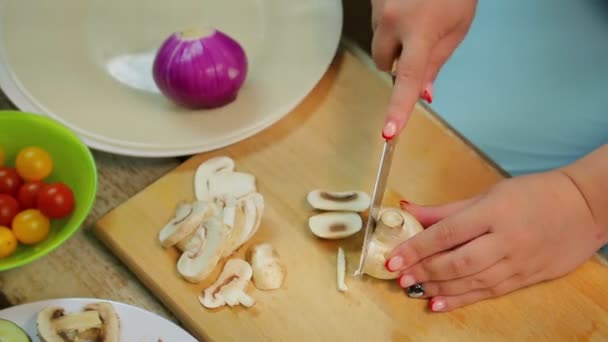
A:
(590, 177)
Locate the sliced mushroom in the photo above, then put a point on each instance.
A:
(268, 273)
(182, 211)
(335, 224)
(341, 270)
(226, 206)
(234, 184)
(216, 178)
(110, 330)
(248, 216)
(196, 264)
(205, 170)
(339, 200)
(192, 242)
(229, 288)
(183, 225)
(394, 227)
(97, 322)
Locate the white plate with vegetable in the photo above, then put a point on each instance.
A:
(226, 70)
(86, 318)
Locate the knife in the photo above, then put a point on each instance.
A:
(378, 194)
(377, 197)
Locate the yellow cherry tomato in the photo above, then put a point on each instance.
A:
(1, 157)
(31, 226)
(33, 164)
(8, 242)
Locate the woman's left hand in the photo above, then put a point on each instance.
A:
(523, 231)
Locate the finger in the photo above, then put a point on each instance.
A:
(408, 83)
(449, 303)
(385, 48)
(442, 236)
(487, 278)
(440, 54)
(429, 215)
(468, 259)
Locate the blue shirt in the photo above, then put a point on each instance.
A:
(529, 84)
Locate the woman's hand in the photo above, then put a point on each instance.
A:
(424, 33)
(523, 231)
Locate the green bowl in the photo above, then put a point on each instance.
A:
(73, 164)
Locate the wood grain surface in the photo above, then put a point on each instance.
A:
(332, 140)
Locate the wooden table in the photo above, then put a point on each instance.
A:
(84, 267)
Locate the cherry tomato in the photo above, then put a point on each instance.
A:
(55, 200)
(8, 242)
(1, 156)
(28, 194)
(33, 163)
(9, 207)
(31, 226)
(10, 182)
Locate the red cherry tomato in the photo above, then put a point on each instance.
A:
(28, 194)
(10, 182)
(9, 208)
(55, 200)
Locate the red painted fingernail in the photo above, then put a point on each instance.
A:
(406, 281)
(427, 94)
(428, 97)
(394, 263)
(389, 131)
(437, 304)
(404, 202)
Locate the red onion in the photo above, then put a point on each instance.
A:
(199, 70)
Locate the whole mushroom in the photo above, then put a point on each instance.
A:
(394, 227)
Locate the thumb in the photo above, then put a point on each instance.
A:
(429, 215)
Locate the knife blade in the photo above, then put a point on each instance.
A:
(379, 188)
(377, 197)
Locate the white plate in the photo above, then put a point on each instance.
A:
(137, 325)
(87, 64)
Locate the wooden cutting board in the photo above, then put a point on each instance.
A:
(332, 140)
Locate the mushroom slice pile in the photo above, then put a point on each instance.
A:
(229, 288)
(98, 322)
(227, 213)
(342, 218)
(268, 273)
(394, 227)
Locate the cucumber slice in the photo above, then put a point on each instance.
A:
(11, 332)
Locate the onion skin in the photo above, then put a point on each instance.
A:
(200, 71)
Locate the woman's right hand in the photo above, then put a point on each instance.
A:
(421, 34)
